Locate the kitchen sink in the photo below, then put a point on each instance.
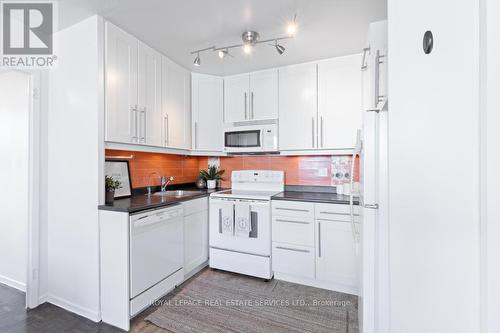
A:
(177, 193)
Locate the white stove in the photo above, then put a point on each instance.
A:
(240, 223)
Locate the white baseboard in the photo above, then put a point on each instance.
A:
(13, 283)
(194, 271)
(72, 307)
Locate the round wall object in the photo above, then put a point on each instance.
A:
(428, 42)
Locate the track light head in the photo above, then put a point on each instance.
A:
(279, 48)
(197, 61)
(223, 53)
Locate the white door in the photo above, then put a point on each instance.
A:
(263, 102)
(236, 98)
(149, 96)
(195, 240)
(121, 86)
(339, 102)
(175, 105)
(336, 260)
(297, 107)
(207, 105)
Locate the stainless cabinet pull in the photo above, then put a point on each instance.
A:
(133, 109)
(293, 209)
(292, 249)
(364, 64)
(332, 213)
(165, 124)
(195, 135)
(246, 106)
(322, 135)
(290, 221)
(319, 239)
(313, 132)
(251, 109)
(143, 124)
(371, 206)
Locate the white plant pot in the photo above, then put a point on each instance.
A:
(211, 184)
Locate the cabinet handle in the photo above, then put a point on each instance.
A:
(143, 125)
(251, 109)
(245, 100)
(313, 132)
(292, 249)
(290, 221)
(322, 135)
(195, 135)
(319, 239)
(332, 213)
(165, 124)
(133, 109)
(293, 209)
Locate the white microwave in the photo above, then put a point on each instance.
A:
(251, 139)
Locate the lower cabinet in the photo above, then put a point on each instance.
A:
(313, 244)
(195, 234)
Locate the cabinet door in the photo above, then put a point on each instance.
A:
(336, 260)
(149, 96)
(297, 107)
(195, 240)
(340, 101)
(236, 98)
(175, 105)
(207, 107)
(263, 103)
(121, 86)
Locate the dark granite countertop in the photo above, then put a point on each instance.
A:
(141, 202)
(321, 194)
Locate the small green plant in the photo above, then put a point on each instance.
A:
(112, 184)
(213, 173)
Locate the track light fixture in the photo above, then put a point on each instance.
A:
(250, 39)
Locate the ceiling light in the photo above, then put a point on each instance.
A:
(247, 48)
(197, 62)
(223, 53)
(279, 48)
(292, 27)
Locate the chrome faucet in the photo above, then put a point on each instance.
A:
(165, 182)
(149, 181)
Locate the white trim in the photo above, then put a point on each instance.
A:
(317, 284)
(12, 283)
(72, 307)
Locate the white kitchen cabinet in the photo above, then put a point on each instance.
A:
(298, 107)
(207, 112)
(236, 98)
(149, 95)
(336, 260)
(121, 86)
(263, 99)
(195, 234)
(251, 96)
(339, 102)
(176, 105)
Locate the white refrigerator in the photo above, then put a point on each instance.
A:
(372, 238)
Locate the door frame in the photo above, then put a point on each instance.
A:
(33, 227)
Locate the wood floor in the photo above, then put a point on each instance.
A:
(48, 318)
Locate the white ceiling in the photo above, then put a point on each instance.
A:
(326, 28)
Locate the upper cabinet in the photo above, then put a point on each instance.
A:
(298, 107)
(121, 86)
(207, 112)
(251, 97)
(176, 105)
(339, 102)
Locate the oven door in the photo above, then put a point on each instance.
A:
(258, 243)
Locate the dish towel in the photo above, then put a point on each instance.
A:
(242, 219)
(227, 218)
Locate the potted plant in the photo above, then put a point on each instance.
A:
(111, 185)
(212, 175)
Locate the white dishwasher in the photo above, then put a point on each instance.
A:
(156, 247)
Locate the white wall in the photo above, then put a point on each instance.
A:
(74, 151)
(434, 167)
(14, 152)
